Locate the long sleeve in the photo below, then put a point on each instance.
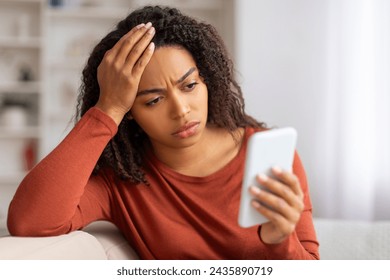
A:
(59, 195)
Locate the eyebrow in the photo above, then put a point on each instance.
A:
(156, 90)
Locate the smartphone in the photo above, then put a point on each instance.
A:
(275, 147)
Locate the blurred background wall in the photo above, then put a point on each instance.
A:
(321, 66)
(324, 67)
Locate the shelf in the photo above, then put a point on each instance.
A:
(22, 1)
(14, 178)
(88, 13)
(184, 4)
(27, 132)
(118, 13)
(55, 43)
(73, 63)
(21, 42)
(32, 87)
(3, 228)
(3, 225)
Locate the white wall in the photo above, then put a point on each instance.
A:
(281, 55)
(322, 66)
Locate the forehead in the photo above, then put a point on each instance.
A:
(167, 63)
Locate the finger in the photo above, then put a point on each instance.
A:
(139, 67)
(280, 189)
(129, 41)
(280, 222)
(117, 47)
(276, 204)
(140, 47)
(289, 179)
(129, 34)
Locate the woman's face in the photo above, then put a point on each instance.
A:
(171, 103)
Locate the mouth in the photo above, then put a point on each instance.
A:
(187, 130)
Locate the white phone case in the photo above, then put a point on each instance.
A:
(275, 147)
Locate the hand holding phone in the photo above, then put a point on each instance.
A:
(265, 150)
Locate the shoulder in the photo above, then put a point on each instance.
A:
(249, 131)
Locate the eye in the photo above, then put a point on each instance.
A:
(190, 86)
(154, 101)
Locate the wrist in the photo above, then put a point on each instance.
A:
(269, 235)
(116, 114)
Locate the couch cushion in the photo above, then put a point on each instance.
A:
(353, 240)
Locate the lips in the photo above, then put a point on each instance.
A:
(187, 130)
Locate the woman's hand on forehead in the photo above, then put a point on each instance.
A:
(121, 69)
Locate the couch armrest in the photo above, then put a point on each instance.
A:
(99, 240)
(114, 244)
(77, 245)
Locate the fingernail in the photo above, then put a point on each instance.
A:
(277, 170)
(255, 204)
(151, 46)
(148, 25)
(151, 31)
(262, 177)
(255, 190)
(140, 25)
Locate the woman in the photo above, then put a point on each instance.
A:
(159, 150)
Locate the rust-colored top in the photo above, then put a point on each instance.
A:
(176, 217)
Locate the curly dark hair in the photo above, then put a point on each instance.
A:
(126, 151)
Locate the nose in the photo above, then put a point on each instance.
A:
(179, 106)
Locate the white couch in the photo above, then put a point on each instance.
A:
(353, 240)
(338, 239)
(98, 241)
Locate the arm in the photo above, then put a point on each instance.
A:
(59, 194)
(46, 202)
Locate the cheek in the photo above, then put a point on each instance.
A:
(203, 99)
(147, 119)
(154, 129)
